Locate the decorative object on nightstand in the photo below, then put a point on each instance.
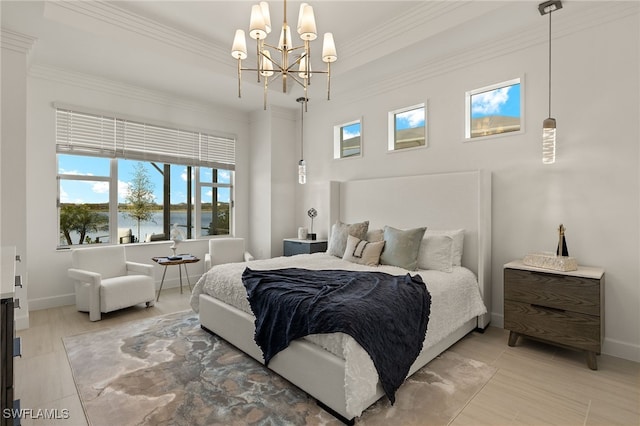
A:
(548, 260)
(293, 246)
(312, 214)
(302, 233)
(565, 308)
(562, 242)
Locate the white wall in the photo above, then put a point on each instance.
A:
(593, 188)
(48, 283)
(273, 178)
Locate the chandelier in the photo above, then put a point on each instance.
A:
(284, 60)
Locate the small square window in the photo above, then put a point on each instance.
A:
(347, 139)
(407, 128)
(493, 110)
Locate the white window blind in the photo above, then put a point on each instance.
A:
(92, 134)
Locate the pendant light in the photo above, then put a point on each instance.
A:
(549, 124)
(302, 166)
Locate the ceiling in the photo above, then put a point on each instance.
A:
(182, 48)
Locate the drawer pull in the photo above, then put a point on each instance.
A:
(548, 308)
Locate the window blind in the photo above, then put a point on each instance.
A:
(98, 135)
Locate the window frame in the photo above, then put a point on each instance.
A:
(391, 126)
(85, 133)
(468, 115)
(338, 132)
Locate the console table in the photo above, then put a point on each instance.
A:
(181, 261)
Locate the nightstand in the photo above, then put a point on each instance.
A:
(563, 308)
(293, 246)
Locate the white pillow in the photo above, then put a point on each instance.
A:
(458, 242)
(362, 251)
(436, 253)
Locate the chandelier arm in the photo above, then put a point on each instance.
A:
(328, 81)
(258, 57)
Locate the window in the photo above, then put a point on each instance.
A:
(347, 139)
(407, 128)
(493, 110)
(123, 182)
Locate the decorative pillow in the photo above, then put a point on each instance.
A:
(362, 251)
(339, 233)
(375, 235)
(436, 252)
(401, 247)
(458, 242)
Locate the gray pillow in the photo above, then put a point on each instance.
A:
(402, 247)
(339, 233)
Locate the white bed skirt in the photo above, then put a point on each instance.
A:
(313, 369)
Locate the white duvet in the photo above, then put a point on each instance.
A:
(455, 299)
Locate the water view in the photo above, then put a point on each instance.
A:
(148, 228)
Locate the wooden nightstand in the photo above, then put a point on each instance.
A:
(563, 308)
(293, 246)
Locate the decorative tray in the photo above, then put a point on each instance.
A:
(549, 260)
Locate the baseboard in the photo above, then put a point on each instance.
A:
(621, 349)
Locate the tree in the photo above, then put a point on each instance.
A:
(81, 219)
(140, 196)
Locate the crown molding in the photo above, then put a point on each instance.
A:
(16, 41)
(507, 44)
(77, 13)
(123, 90)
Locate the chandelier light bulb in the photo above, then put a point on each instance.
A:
(329, 53)
(266, 16)
(239, 48)
(257, 26)
(308, 25)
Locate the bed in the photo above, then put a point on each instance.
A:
(332, 367)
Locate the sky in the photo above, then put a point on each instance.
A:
(504, 101)
(97, 191)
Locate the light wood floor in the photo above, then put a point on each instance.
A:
(534, 384)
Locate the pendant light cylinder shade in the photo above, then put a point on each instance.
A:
(329, 53)
(549, 141)
(302, 172)
(239, 47)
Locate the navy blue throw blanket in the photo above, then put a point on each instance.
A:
(386, 314)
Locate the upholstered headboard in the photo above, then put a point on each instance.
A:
(437, 201)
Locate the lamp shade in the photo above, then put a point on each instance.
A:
(257, 26)
(267, 65)
(285, 41)
(308, 24)
(329, 53)
(549, 141)
(266, 16)
(300, 13)
(239, 48)
(302, 69)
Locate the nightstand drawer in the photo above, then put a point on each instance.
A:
(569, 293)
(556, 325)
(293, 247)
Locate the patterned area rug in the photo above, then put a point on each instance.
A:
(167, 370)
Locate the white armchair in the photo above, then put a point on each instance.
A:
(106, 281)
(226, 250)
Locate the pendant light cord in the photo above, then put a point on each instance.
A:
(550, 13)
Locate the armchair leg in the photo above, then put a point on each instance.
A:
(95, 315)
(151, 303)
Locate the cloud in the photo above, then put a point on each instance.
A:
(491, 102)
(74, 172)
(346, 134)
(100, 187)
(411, 119)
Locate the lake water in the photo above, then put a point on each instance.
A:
(153, 226)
